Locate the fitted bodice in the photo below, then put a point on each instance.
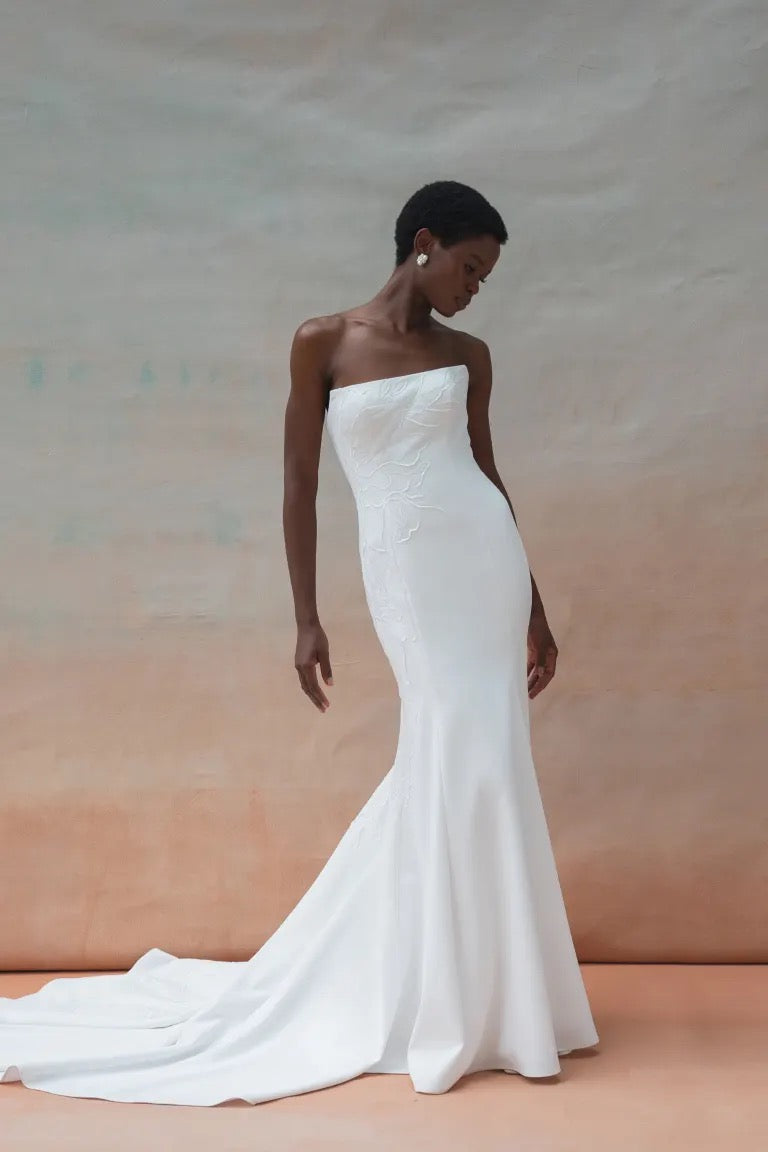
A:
(430, 522)
(389, 433)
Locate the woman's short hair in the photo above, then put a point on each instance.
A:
(452, 212)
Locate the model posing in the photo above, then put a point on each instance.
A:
(435, 941)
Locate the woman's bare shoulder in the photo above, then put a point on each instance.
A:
(320, 339)
(316, 328)
(467, 348)
(316, 339)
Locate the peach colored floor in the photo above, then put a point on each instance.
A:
(682, 1064)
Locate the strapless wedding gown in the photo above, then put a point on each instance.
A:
(434, 942)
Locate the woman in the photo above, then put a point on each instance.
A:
(481, 969)
(434, 942)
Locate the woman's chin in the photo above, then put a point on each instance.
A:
(449, 310)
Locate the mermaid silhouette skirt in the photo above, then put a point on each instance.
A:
(435, 941)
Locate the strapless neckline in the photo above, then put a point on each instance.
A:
(392, 379)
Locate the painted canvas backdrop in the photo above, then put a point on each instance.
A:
(182, 185)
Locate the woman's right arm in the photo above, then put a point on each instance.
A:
(304, 419)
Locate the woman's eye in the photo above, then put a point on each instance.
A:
(470, 269)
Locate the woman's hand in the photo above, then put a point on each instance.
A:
(312, 649)
(542, 654)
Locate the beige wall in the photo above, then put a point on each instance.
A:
(181, 186)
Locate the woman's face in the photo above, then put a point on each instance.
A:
(452, 276)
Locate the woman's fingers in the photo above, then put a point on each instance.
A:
(309, 684)
(541, 674)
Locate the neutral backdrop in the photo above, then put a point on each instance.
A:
(182, 184)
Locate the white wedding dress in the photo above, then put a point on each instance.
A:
(435, 941)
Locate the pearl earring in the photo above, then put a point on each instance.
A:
(422, 258)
